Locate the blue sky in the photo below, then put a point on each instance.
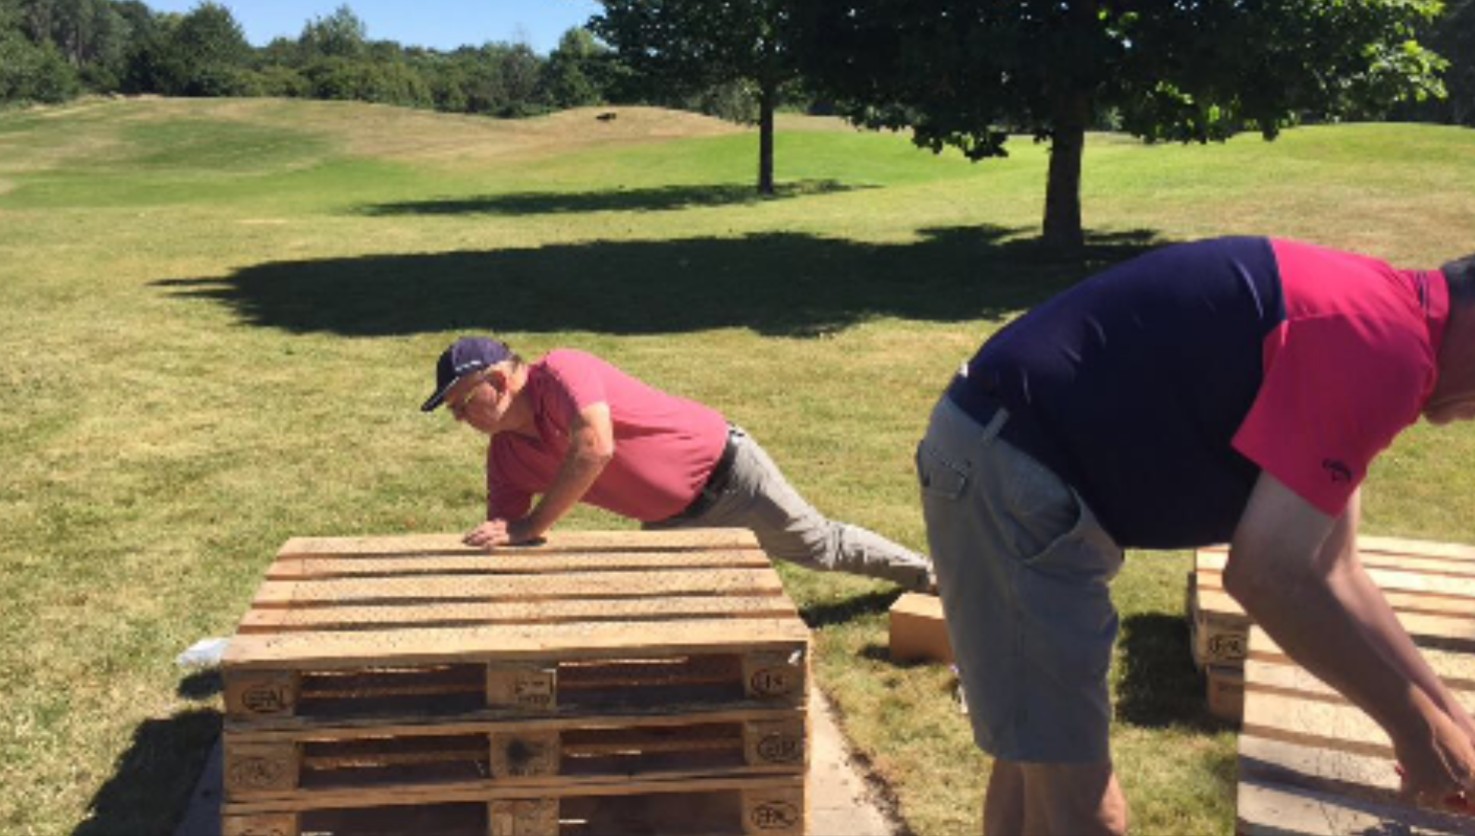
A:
(439, 24)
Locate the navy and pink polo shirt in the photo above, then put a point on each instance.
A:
(1162, 387)
(665, 446)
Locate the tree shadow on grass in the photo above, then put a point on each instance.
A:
(660, 199)
(1159, 685)
(151, 785)
(777, 284)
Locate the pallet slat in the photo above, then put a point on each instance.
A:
(304, 567)
(580, 542)
(573, 585)
(421, 796)
(421, 646)
(389, 616)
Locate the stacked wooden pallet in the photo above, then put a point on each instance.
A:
(602, 682)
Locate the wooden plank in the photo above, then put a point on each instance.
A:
(504, 785)
(1456, 667)
(419, 646)
(594, 585)
(1403, 545)
(389, 616)
(556, 542)
(1395, 545)
(1459, 586)
(1273, 673)
(1333, 726)
(345, 729)
(298, 567)
(1393, 562)
(1431, 615)
(488, 790)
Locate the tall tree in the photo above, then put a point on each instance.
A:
(968, 73)
(341, 34)
(572, 76)
(205, 52)
(1453, 36)
(692, 44)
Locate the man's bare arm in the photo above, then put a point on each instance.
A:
(591, 446)
(1296, 572)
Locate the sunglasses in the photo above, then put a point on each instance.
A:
(460, 403)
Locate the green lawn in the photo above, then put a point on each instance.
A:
(218, 320)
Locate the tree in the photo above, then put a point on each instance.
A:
(341, 34)
(572, 76)
(91, 35)
(33, 73)
(521, 72)
(690, 45)
(205, 53)
(1453, 36)
(968, 73)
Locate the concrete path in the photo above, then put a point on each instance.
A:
(840, 802)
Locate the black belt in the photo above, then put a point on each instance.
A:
(982, 403)
(717, 481)
(978, 403)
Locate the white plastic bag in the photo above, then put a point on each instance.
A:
(204, 653)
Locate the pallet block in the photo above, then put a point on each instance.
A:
(918, 630)
(1225, 685)
(414, 672)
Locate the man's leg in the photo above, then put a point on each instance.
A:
(1069, 799)
(759, 498)
(1024, 571)
(1053, 799)
(1003, 801)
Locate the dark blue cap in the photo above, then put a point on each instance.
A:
(467, 355)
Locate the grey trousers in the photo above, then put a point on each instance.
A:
(758, 497)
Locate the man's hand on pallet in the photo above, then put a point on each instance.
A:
(1437, 766)
(493, 533)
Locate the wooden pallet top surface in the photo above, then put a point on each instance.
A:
(1312, 763)
(416, 599)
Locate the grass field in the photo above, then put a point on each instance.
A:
(218, 319)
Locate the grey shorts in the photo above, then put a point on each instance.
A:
(1023, 569)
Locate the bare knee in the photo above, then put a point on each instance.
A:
(1073, 799)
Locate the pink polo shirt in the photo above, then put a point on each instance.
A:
(665, 446)
(1352, 365)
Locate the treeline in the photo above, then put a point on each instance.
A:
(54, 50)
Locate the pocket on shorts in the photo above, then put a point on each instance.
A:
(1066, 541)
(940, 475)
